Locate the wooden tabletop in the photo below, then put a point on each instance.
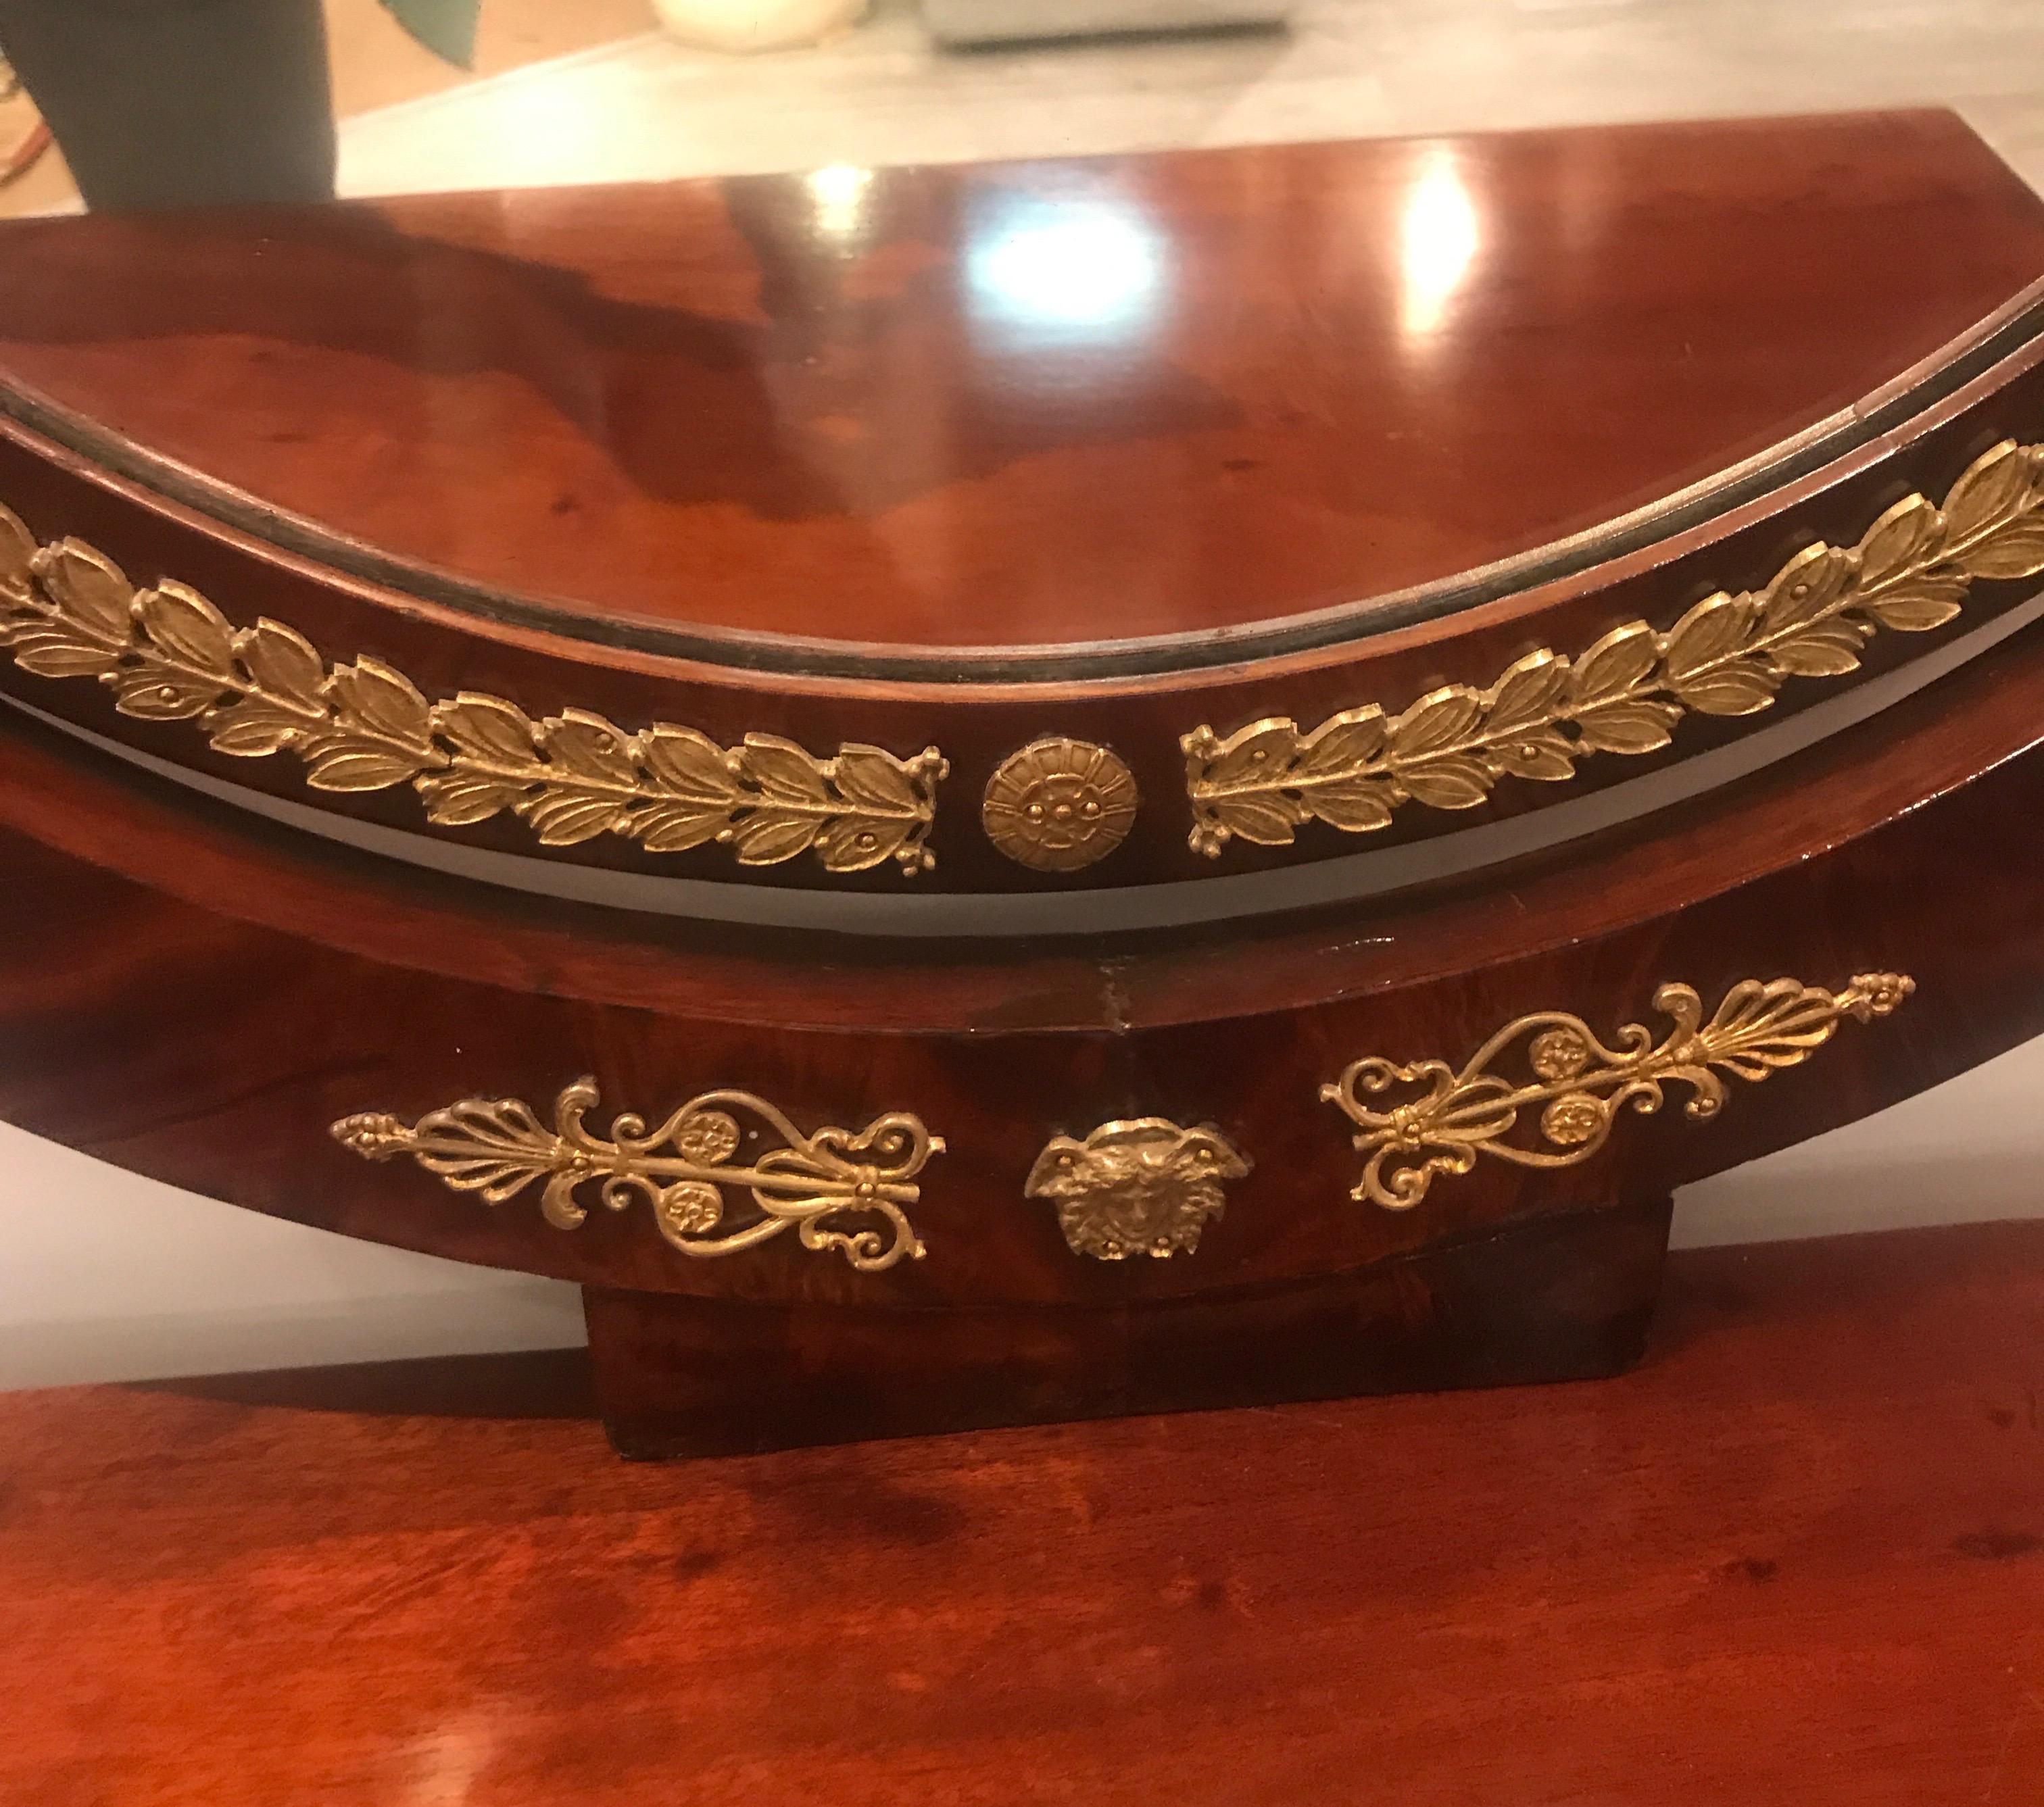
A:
(1798, 1559)
(1051, 402)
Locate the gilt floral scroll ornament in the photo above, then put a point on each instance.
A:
(821, 1185)
(1141, 1186)
(1576, 1083)
(168, 654)
(1626, 694)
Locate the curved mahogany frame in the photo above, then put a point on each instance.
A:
(2004, 341)
(978, 725)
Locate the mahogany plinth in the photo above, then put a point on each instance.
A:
(1630, 538)
(1563, 1299)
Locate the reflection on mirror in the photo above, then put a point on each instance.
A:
(1077, 266)
(1438, 238)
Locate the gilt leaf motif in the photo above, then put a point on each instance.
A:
(1730, 655)
(168, 654)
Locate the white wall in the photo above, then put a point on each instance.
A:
(104, 1276)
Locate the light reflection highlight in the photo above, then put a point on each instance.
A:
(1083, 267)
(1438, 241)
(840, 195)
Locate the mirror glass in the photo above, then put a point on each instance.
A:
(1004, 324)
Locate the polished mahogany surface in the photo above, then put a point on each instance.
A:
(1030, 403)
(1797, 1559)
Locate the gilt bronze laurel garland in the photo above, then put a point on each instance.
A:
(168, 654)
(1626, 694)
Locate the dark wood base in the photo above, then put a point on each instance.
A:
(1555, 1298)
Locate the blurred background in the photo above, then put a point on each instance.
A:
(565, 91)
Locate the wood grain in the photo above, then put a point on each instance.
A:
(1558, 1298)
(1797, 1558)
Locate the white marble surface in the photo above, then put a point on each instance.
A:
(104, 1276)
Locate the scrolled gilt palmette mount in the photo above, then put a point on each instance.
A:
(1578, 1083)
(1626, 694)
(819, 1184)
(168, 654)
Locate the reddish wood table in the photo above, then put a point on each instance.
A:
(1797, 1558)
